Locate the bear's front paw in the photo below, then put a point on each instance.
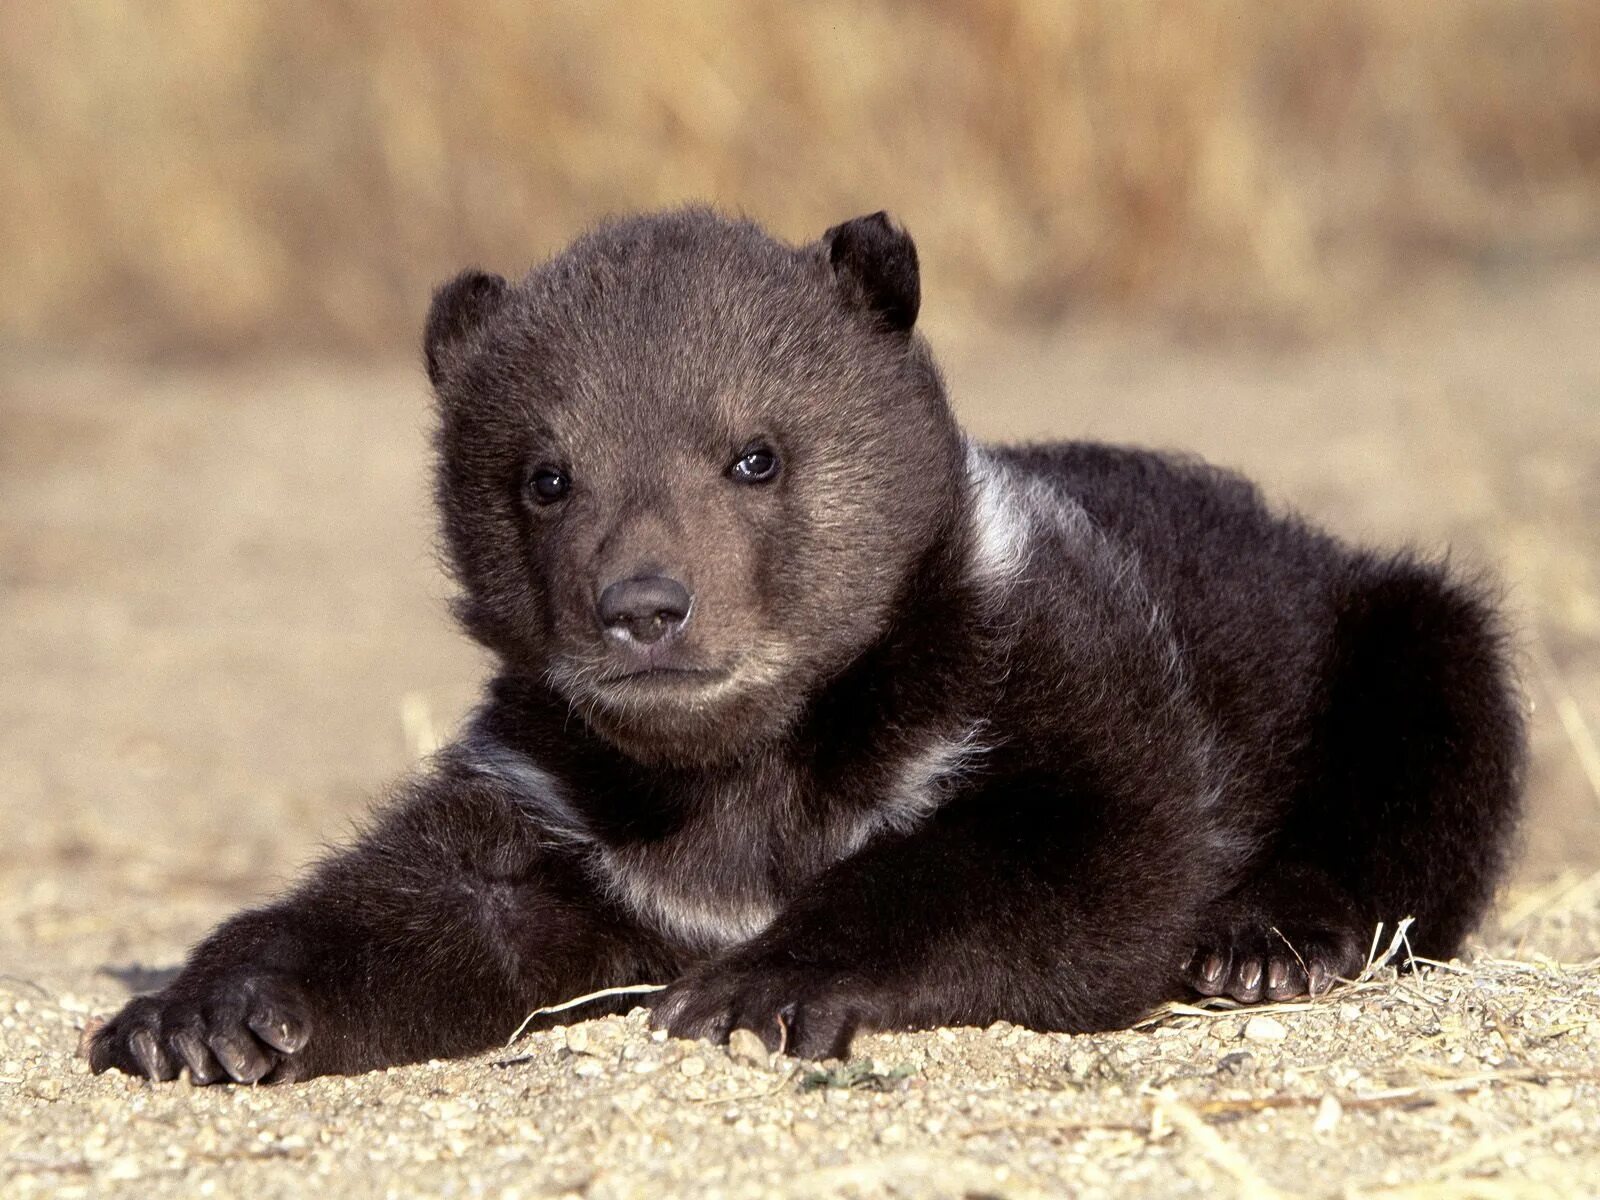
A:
(246, 1027)
(810, 1013)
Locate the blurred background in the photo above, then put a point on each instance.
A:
(194, 176)
(1351, 246)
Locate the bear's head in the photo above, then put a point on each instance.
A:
(686, 471)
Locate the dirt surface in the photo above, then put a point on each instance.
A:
(223, 630)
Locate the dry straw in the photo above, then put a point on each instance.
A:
(186, 175)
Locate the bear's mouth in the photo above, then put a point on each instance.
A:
(629, 691)
(667, 677)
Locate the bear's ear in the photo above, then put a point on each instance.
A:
(876, 261)
(459, 308)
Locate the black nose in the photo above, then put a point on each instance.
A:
(645, 609)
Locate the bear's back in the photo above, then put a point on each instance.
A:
(1248, 592)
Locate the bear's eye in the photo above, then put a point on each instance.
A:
(546, 485)
(757, 464)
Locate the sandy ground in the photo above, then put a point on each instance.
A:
(223, 630)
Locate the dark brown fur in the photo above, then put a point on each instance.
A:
(948, 734)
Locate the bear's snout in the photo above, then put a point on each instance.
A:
(645, 608)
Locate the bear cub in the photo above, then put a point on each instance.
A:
(834, 719)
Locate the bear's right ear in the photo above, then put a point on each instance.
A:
(876, 262)
(459, 308)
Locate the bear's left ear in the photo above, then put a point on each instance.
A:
(459, 308)
(876, 261)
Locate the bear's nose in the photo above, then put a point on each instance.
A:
(646, 608)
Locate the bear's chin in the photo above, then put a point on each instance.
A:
(682, 732)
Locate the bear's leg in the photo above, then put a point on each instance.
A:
(434, 935)
(1411, 796)
(1026, 901)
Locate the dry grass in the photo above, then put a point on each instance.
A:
(187, 175)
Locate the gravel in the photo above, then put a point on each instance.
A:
(1460, 1074)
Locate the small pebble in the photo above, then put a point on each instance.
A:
(1264, 1029)
(45, 1089)
(746, 1047)
(1329, 1110)
(1237, 1062)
